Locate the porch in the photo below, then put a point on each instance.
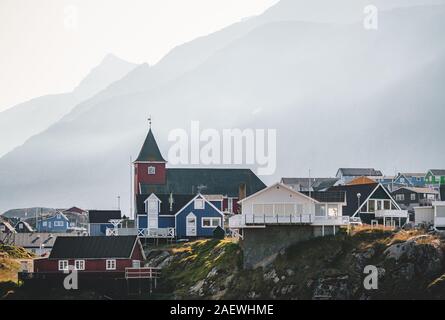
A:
(153, 233)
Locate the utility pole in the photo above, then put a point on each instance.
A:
(119, 202)
(131, 188)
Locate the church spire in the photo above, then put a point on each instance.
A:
(150, 150)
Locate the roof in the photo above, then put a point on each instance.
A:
(351, 191)
(357, 172)
(103, 216)
(419, 190)
(316, 183)
(51, 216)
(75, 210)
(411, 174)
(8, 226)
(361, 180)
(179, 201)
(278, 185)
(93, 247)
(213, 197)
(326, 196)
(438, 172)
(206, 181)
(36, 239)
(150, 150)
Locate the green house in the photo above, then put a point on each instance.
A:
(435, 177)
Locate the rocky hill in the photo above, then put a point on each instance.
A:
(410, 266)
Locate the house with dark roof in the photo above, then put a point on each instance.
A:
(92, 257)
(409, 179)
(345, 175)
(372, 204)
(23, 227)
(187, 216)
(435, 178)
(152, 178)
(410, 197)
(309, 184)
(100, 220)
(58, 222)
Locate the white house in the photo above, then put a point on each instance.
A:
(433, 215)
(281, 205)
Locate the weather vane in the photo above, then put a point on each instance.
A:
(149, 121)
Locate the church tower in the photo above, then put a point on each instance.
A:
(149, 166)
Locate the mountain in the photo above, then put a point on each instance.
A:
(337, 94)
(29, 118)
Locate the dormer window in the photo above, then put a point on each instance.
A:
(151, 170)
(199, 204)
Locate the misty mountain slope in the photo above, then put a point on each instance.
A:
(321, 85)
(19, 123)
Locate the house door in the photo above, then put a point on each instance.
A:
(191, 225)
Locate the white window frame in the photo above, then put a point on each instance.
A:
(79, 265)
(58, 223)
(151, 170)
(211, 220)
(44, 223)
(2, 227)
(199, 204)
(413, 197)
(110, 264)
(63, 265)
(21, 226)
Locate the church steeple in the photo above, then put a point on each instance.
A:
(150, 150)
(149, 166)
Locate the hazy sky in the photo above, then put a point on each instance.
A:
(48, 46)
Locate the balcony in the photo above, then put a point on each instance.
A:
(261, 220)
(167, 233)
(391, 213)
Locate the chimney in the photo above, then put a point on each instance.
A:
(242, 191)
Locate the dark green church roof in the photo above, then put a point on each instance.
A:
(206, 181)
(150, 150)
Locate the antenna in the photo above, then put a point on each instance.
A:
(131, 188)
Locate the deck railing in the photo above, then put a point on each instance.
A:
(244, 220)
(142, 273)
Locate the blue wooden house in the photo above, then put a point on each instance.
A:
(190, 216)
(100, 220)
(410, 180)
(54, 224)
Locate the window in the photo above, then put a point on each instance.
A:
(199, 204)
(402, 180)
(211, 222)
(371, 206)
(79, 264)
(63, 265)
(413, 196)
(151, 170)
(153, 207)
(332, 210)
(320, 210)
(230, 205)
(58, 223)
(387, 204)
(431, 197)
(111, 264)
(379, 205)
(400, 197)
(21, 226)
(2, 228)
(44, 223)
(58, 216)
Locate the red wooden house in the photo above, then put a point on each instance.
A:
(92, 257)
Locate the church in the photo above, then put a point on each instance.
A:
(191, 202)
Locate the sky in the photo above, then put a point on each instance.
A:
(49, 46)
